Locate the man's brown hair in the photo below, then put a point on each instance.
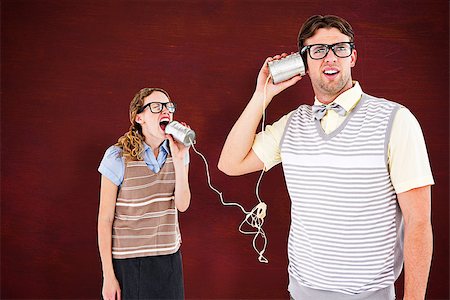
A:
(329, 21)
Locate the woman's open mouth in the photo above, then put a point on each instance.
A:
(163, 122)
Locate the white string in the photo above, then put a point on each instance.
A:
(263, 136)
(255, 217)
(211, 186)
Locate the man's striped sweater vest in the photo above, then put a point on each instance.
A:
(346, 230)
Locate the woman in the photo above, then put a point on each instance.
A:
(144, 183)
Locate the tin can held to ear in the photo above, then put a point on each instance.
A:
(286, 68)
(181, 133)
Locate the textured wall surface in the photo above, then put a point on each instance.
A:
(70, 68)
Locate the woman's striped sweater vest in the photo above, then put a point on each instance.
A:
(146, 220)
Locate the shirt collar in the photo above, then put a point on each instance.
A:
(347, 99)
(165, 146)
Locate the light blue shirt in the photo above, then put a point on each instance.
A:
(113, 164)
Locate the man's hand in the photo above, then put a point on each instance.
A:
(273, 89)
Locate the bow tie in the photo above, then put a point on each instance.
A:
(320, 110)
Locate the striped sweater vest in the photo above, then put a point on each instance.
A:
(346, 230)
(146, 220)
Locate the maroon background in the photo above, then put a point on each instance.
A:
(70, 69)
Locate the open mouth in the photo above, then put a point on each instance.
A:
(330, 72)
(163, 123)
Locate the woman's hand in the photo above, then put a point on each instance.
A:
(111, 289)
(182, 190)
(177, 149)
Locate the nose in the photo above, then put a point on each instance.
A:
(165, 109)
(330, 57)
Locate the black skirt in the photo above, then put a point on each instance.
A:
(150, 277)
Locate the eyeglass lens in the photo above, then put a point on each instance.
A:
(321, 50)
(156, 107)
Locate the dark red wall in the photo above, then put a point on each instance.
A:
(70, 69)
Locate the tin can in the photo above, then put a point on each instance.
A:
(181, 133)
(286, 68)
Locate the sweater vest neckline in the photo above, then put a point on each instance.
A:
(341, 127)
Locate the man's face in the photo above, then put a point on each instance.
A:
(331, 75)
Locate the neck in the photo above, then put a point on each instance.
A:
(153, 142)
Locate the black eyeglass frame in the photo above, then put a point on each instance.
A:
(163, 104)
(332, 46)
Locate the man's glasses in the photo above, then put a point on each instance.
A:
(319, 51)
(157, 107)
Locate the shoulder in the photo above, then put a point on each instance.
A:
(403, 116)
(406, 131)
(405, 119)
(112, 165)
(372, 100)
(284, 119)
(279, 126)
(113, 152)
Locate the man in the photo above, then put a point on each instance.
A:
(357, 173)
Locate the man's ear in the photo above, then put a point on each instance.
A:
(138, 119)
(354, 56)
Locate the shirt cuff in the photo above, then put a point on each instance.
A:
(413, 184)
(110, 175)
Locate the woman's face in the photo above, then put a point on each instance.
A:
(153, 124)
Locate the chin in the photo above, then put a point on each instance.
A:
(332, 87)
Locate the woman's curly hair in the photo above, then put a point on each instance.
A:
(132, 141)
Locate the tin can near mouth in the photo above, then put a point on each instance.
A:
(181, 133)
